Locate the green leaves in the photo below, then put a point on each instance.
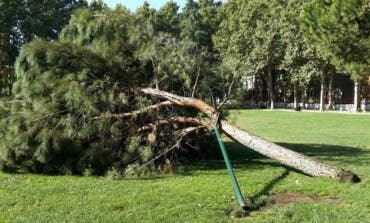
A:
(22, 21)
(340, 30)
(61, 87)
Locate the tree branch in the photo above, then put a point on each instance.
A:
(181, 134)
(138, 112)
(179, 120)
(227, 97)
(195, 83)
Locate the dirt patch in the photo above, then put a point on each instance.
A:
(275, 200)
(281, 199)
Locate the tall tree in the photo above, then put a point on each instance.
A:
(24, 20)
(148, 42)
(168, 20)
(199, 22)
(45, 19)
(191, 26)
(254, 39)
(302, 62)
(11, 15)
(340, 30)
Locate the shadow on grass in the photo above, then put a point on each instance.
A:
(262, 199)
(244, 158)
(340, 154)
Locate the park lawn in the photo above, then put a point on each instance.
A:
(202, 192)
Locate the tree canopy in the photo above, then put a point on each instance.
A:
(22, 21)
(340, 30)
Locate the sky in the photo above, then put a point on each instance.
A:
(133, 4)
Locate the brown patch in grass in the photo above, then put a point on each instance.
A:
(277, 200)
(282, 199)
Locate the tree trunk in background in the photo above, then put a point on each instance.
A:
(304, 97)
(156, 81)
(355, 97)
(295, 103)
(330, 93)
(271, 89)
(11, 79)
(322, 94)
(288, 157)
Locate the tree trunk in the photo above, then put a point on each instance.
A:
(11, 79)
(355, 97)
(271, 89)
(290, 158)
(322, 93)
(330, 93)
(195, 83)
(295, 104)
(304, 97)
(156, 71)
(156, 81)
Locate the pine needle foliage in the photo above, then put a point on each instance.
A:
(65, 115)
(58, 121)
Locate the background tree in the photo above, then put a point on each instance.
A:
(303, 64)
(10, 40)
(254, 39)
(180, 57)
(340, 30)
(199, 22)
(168, 20)
(23, 21)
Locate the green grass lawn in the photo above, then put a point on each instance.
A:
(203, 192)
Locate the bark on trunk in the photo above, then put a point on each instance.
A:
(11, 79)
(195, 83)
(355, 97)
(271, 89)
(322, 93)
(330, 93)
(304, 97)
(290, 158)
(295, 105)
(181, 120)
(156, 79)
(134, 113)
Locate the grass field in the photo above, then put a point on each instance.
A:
(202, 192)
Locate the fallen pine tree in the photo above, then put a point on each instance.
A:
(63, 126)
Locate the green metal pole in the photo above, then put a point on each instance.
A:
(230, 170)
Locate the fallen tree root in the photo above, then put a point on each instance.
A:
(288, 157)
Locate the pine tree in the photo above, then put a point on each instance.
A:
(76, 106)
(22, 21)
(60, 120)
